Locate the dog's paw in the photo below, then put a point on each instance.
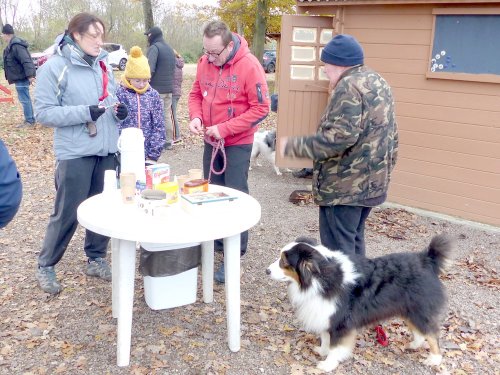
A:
(433, 360)
(278, 173)
(250, 168)
(327, 365)
(321, 351)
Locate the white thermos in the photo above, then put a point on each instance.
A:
(131, 147)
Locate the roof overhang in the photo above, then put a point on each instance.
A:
(309, 3)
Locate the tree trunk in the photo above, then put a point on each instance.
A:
(259, 36)
(148, 14)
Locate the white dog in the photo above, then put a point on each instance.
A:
(264, 143)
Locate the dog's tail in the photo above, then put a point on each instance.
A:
(439, 252)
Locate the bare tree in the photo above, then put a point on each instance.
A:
(259, 36)
(148, 14)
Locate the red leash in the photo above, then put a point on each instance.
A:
(104, 95)
(381, 336)
(216, 146)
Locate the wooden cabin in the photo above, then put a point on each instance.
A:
(442, 60)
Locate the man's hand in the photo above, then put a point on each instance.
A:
(213, 131)
(195, 126)
(283, 142)
(32, 80)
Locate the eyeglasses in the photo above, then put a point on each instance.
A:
(213, 54)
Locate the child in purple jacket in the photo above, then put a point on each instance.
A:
(145, 107)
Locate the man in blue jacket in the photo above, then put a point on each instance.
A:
(11, 190)
(19, 70)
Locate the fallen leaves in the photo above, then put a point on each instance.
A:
(395, 223)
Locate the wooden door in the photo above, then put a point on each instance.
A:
(303, 90)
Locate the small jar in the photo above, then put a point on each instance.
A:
(195, 186)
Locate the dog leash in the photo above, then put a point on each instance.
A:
(216, 146)
(381, 336)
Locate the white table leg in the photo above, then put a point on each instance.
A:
(125, 301)
(115, 247)
(232, 287)
(207, 269)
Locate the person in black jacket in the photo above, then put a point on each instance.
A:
(10, 187)
(20, 70)
(161, 58)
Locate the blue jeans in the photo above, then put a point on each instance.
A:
(23, 93)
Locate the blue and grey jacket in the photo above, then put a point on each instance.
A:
(66, 86)
(10, 187)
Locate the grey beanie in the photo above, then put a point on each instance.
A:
(343, 50)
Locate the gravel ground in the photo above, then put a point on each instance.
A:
(75, 333)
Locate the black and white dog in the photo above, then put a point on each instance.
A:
(264, 144)
(334, 295)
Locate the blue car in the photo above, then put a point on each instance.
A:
(269, 61)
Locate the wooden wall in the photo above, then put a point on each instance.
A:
(449, 159)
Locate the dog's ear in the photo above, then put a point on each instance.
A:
(308, 240)
(301, 260)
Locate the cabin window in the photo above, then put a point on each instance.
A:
(465, 46)
(305, 54)
(321, 74)
(304, 35)
(325, 36)
(307, 44)
(302, 72)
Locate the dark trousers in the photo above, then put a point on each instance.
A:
(343, 228)
(235, 175)
(76, 180)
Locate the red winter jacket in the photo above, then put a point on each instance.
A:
(235, 96)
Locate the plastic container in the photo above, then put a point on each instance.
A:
(170, 188)
(171, 291)
(176, 267)
(195, 186)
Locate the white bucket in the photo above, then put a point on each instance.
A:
(131, 146)
(170, 291)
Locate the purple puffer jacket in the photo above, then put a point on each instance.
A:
(151, 119)
(179, 64)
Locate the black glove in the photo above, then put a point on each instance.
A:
(96, 112)
(121, 111)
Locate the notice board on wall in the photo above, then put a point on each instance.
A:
(466, 44)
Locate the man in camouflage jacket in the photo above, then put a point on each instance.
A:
(354, 149)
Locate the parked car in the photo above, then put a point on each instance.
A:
(269, 61)
(117, 57)
(40, 57)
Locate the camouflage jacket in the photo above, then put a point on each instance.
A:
(355, 147)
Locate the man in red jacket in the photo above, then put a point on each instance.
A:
(228, 99)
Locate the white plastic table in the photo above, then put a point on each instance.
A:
(126, 224)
